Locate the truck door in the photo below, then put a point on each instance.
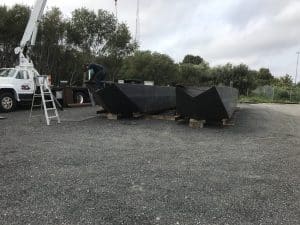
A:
(31, 75)
(24, 85)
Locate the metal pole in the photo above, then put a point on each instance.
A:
(137, 22)
(297, 67)
(116, 9)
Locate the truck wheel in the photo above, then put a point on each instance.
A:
(8, 102)
(79, 98)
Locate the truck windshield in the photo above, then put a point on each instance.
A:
(7, 72)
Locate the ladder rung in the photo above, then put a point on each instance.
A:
(37, 105)
(38, 95)
(51, 109)
(51, 117)
(48, 101)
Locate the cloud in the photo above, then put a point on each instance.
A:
(260, 33)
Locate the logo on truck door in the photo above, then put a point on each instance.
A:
(25, 87)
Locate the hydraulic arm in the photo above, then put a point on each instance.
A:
(29, 36)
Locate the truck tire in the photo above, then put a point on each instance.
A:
(80, 97)
(8, 102)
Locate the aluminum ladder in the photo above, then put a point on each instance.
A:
(44, 94)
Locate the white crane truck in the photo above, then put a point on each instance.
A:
(17, 84)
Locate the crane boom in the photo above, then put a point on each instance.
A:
(30, 33)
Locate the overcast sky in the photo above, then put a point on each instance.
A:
(259, 33)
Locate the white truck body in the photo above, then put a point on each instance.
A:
(18, 80)
(16, 85)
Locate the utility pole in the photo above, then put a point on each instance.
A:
(116, 9)
(137, 22)
(298, 53)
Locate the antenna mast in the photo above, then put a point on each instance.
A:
(116, 9)
(137, 23)
(297, 67)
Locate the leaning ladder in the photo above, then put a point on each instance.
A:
(43, 93)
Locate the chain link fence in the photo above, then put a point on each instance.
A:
(277, 94)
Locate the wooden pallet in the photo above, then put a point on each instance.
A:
(112, 116)
(160, 117)
(193, 123)
(196, 123)
(199, 123)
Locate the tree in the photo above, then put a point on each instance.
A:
(100, 38)
(191, 59)
(145, 65)
(64, 45)
(195, 75)
(88, 31)
(12, 25)
(222, 74)
(240, 76)
(264, 77)
(49, 45)
(284, 82)
(243, 78)
(117, 47)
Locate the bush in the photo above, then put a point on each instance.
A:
(281, 94)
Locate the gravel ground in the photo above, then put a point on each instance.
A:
(89, 170)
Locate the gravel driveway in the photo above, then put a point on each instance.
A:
(89, 170)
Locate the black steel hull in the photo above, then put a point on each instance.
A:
(206, 103)
(126, 99)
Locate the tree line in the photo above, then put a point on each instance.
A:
(195, 71)
(64, 45)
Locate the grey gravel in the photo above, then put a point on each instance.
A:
(89, 170)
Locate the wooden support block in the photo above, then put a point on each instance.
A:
(166, 117)
(111, 116)
(196, 123)
(226, 122)
(137, 115)
(181, 119)
(178, 118)
(161, 117)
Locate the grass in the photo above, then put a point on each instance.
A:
(255, 99)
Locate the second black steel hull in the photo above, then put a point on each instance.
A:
(126, 99)
(206, 103)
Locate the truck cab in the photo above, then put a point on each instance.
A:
(16, 85)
